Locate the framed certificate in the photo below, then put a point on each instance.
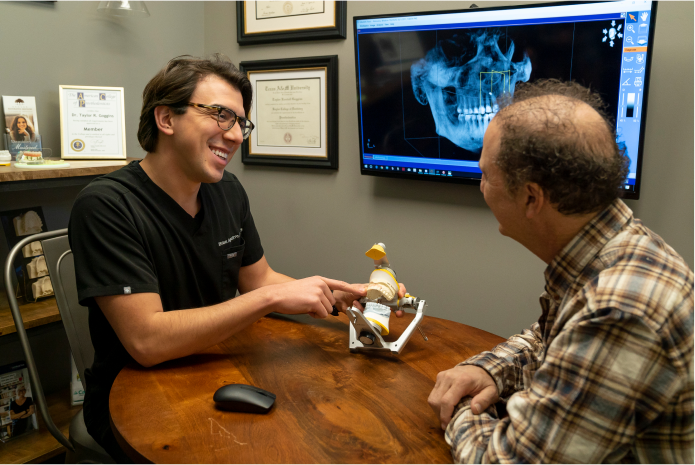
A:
(92, 122)
(272, 22)
(295, 110)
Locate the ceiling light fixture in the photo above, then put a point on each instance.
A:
(123, 8)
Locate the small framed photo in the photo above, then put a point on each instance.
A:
(295, 111)
(92, 122)
(278, 21)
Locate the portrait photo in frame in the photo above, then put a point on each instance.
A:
(295, 112)
(92, 122)
(278, 21)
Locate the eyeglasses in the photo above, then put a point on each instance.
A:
(226, 118)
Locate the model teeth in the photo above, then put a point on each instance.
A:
(219, 153)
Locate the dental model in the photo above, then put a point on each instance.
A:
(30, 158)
(42, 287)
(368, 327)
(28, 223)
(37, 267)
(32, 250)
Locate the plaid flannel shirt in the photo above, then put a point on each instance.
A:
(606, 374)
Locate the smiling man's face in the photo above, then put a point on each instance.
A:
(203, 149)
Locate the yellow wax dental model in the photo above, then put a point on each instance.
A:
(368, 327)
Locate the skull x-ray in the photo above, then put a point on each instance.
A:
(462, 78)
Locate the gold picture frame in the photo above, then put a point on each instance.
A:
(265, 22)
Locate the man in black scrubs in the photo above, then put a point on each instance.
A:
(162, 245)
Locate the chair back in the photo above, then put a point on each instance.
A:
(61, 268)
(37, 388)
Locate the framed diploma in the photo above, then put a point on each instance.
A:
(92, 122)
(272, 22)
(295, 110)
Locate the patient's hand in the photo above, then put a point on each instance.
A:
(454, 384)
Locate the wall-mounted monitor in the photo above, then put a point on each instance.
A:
(428, 83)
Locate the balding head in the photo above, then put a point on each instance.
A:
(556, 135)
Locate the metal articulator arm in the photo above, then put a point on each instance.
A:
(363, 336)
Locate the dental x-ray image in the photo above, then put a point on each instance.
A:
(432, 93)
(462, 92)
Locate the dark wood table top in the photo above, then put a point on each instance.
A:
(332, 406)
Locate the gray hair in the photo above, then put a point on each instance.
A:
(575, 160)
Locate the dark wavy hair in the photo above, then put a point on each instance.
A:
(174, 85)
(14, 130)
(576, 162)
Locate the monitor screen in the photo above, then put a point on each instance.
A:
(428, 83)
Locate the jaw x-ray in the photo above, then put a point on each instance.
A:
(432, 93)
(461, 80)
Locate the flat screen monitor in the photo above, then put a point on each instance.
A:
(428, 83)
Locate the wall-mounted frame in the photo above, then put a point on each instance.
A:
(92, 122)
(295, 110)
(276, 21)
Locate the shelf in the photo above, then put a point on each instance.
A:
(40, 445)
(35, 314)
(79, 172)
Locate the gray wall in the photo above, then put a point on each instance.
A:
(442, 239)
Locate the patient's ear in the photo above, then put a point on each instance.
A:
(164, 118)
(535, 199)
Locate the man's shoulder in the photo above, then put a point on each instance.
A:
(645, 277)
(112, 186)
(639, 247)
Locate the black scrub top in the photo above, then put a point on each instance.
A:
(129, 236)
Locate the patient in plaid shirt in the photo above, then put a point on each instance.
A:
(606, 373)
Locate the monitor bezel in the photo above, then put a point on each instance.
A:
(635, 195)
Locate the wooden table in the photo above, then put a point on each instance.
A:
(332, 406)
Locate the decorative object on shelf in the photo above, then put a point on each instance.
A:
(37, 267)
(37, 160)
(123, 8)
(29, 266)
(92, 122)
(42, 287)
(21, 123)
(295, 110)
(273, 22)
(32, 249)
(17, 409)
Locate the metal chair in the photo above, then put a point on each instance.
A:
(59, 261)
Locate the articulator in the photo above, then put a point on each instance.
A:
(368, 328)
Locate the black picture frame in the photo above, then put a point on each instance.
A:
(339, 31)
(330, 63)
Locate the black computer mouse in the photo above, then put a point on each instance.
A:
(243, 398)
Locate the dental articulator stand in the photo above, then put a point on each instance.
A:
(368, 328)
